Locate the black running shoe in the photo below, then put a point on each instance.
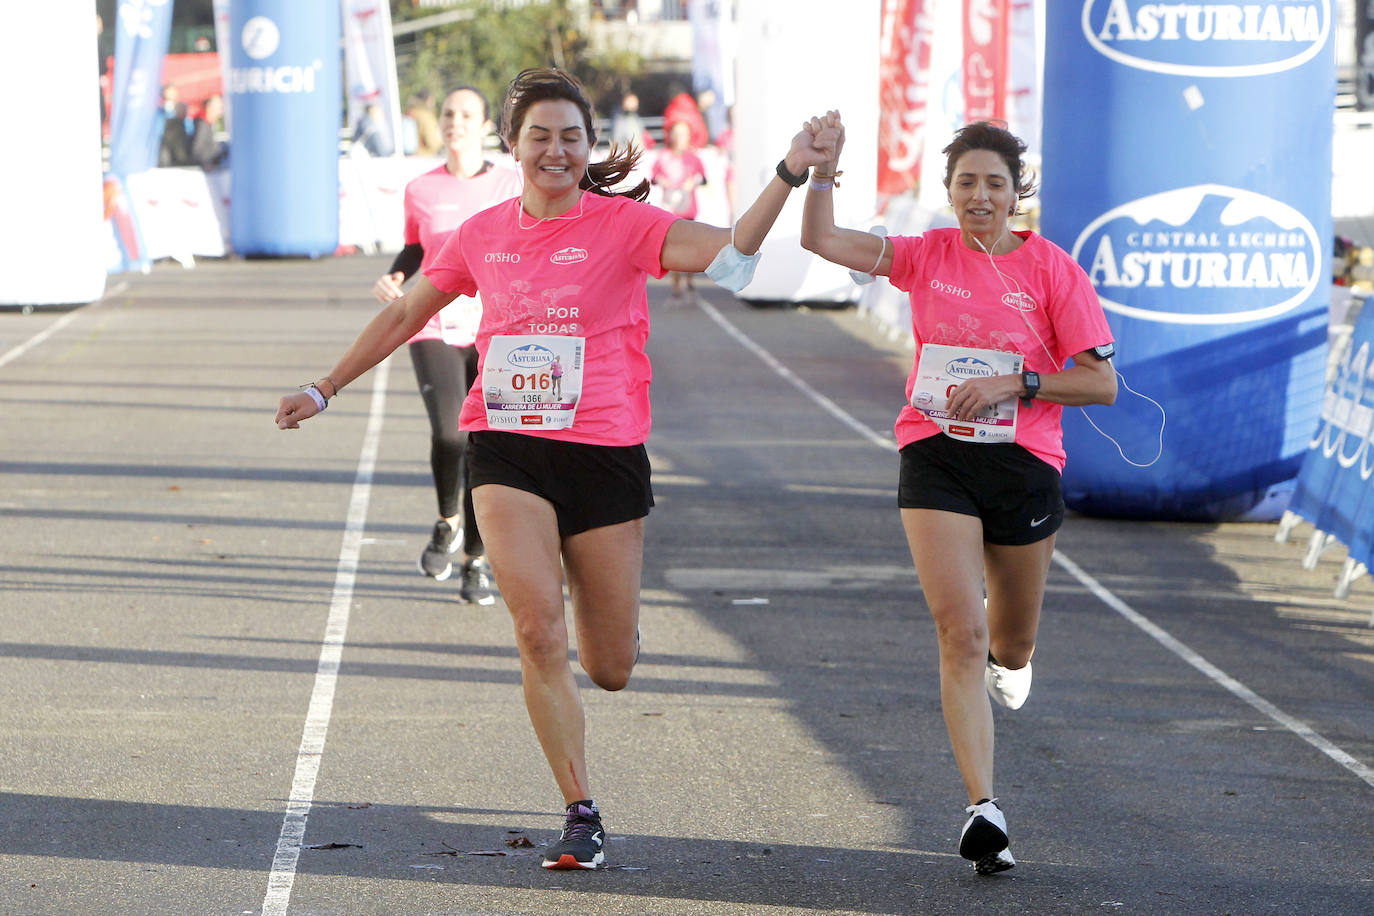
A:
(583, 841)
(984, 838)
(477, 585)
(435, 562)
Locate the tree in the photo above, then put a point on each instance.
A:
(496, 39)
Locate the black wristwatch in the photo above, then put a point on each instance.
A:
(795, 181)
(1032, 382)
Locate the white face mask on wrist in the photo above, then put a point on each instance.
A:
(864, 279)
(731, 268)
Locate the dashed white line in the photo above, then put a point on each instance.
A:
(15, 352)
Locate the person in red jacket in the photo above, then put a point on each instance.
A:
(682, 107)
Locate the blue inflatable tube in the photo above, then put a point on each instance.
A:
(285, 90)
(1187, 168)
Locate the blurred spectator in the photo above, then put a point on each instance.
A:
(712, 112)
(205, 150)
(725, 142)
(174, 148)
(679, 172)
(627, 127)
(370, 132)
(682, 107)
(419, 126)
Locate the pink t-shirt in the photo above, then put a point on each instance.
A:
(678, 175)
(437, 202)
(582, 275)
(958, 299)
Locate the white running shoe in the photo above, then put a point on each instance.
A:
(998, 861)
(1008, 686)
(984, 838)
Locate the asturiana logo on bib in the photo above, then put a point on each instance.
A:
(568, 256)
(530, 356)
(1206, 254)
(967, 367)
(1208, 39)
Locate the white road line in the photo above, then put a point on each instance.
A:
(1215, 674)
(827, 405)
(308, 758)
(15, 352)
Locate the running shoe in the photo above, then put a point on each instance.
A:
(984, 838)
(435, 562)
(477, 587)
(583, 841)
(1008, 686)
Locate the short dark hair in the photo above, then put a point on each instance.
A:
(997, 139)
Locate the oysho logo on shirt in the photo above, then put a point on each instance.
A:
(501, 257)
(950, 289)
(568, 256)
(1208, 39)
(1205, 254)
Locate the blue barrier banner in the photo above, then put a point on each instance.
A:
(1187, 153)
(143, 29)
(285, 89)
(1335, 488)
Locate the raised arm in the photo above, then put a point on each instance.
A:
(691, 246)
(850, 248)
(390, 328)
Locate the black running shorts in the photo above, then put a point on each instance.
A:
(590, 486)
(1017, 495)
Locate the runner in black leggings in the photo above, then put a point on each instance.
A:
(443, 351)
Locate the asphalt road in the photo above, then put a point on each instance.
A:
(213, 636)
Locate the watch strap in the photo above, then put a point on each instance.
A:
(795, 181)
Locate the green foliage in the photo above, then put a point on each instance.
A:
(499, 39)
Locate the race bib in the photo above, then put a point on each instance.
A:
(942, 369)
(532, 381)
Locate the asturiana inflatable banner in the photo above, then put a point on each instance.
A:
(1187, 168)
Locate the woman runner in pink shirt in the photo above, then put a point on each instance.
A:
(560, 480)
(981, 514)
(443, 352)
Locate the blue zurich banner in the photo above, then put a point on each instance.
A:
(285, 89)
(1187, 153)
(143, 29)
(1335, 488)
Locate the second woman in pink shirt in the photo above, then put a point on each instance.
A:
(443, 352)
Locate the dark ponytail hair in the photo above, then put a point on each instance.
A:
(542, 84)
(996, 139)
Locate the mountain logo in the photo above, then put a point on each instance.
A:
(1205, 254)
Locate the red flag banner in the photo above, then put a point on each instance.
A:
(904, 86)
(985, 59)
